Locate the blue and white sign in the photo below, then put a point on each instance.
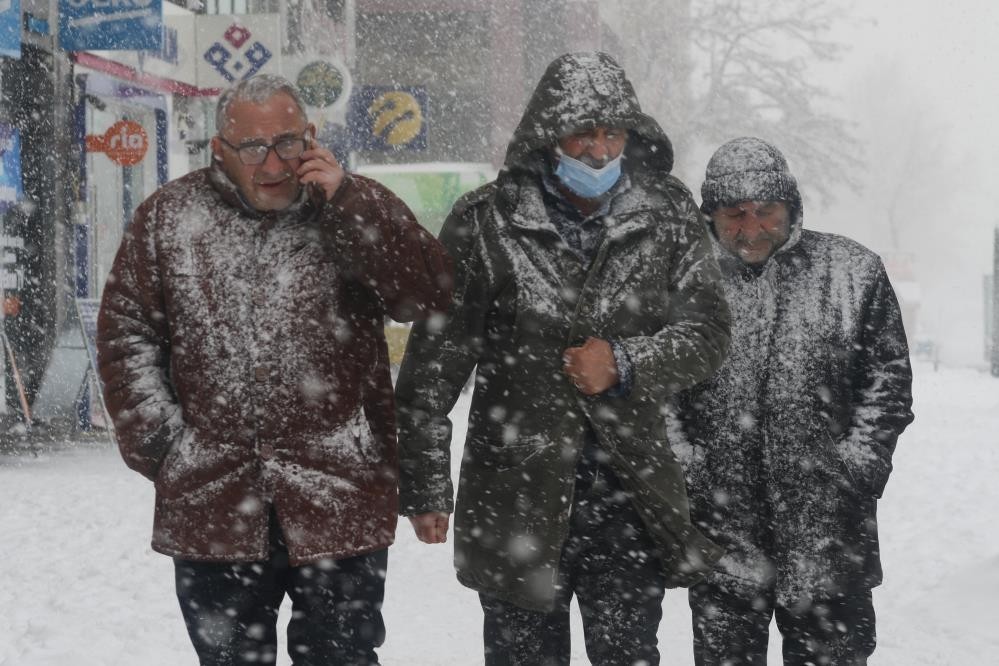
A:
(11, 189)
(237, 55)
(110, 25)
(10, 28)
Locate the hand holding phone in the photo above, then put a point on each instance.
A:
(320, 168)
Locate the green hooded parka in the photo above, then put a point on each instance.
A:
(521, 298)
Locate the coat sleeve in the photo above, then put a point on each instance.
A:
(440, 356)
(383, 247)
(881, 391)
(133, 351)
(695, 339)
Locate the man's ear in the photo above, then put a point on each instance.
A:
(216, 148)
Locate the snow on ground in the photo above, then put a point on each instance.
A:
(81, 586)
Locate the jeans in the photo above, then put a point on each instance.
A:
(231, 609)
(732, 628)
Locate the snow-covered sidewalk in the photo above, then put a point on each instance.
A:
(80, 585)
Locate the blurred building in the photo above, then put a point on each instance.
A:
(99, 128)
(35, 106)
(476, 60)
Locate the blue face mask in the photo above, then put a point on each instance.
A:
(586, 181)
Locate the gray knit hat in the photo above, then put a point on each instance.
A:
(747, 169)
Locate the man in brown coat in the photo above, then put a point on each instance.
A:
(244, 363)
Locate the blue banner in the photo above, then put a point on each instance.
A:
(388, 119)
(10, 28)
(110, 25)
(11, 189)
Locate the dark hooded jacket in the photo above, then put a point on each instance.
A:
(245, 367)
(521, 298)
(788, 446)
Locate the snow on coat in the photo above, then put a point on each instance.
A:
(245, 365)
(522, 296)
(788, 446)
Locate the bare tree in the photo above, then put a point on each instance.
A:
(745, 67)
(913, 175)
(652, 42)
(315, 27)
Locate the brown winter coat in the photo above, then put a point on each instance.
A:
(244, 364)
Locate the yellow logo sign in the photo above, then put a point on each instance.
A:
(396, 117)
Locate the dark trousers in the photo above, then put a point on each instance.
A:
(732, 629)
(610, 563)
(231, 609)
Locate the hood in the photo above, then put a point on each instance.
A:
(579, 91)
(750, 169)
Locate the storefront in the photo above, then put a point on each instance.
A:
(145, 117)
(105, 118)
(11, 193)
(35, 158)
(140, 119)
(124, 160)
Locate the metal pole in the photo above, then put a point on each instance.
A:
(995, 304)
(16, 374)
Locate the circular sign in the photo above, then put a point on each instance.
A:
(320, 84)
(396, 117)
(126, 142)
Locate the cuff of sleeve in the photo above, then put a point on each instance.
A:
(338, 196)
(625, 372)
(412, 504)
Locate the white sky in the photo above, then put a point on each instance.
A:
(921, 80)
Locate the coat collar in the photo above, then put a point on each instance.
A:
(520, 199)
(308, 202)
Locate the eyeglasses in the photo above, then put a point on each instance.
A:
(252, 154)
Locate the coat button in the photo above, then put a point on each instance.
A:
(260, 299)
(266, 451)
(261, 373)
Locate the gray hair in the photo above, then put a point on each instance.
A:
(259, 89)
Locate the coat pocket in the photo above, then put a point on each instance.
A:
(650, 460)
(648, 468)
(167, 470)
(833, 467)
(192, 464)
(509, 491)
(485, 454)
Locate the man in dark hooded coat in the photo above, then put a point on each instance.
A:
(585, 294)
(788, 446)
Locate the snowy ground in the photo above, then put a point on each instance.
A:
(80, 585)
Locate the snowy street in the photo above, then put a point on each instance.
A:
(81, 586)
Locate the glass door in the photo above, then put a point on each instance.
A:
(122, 169)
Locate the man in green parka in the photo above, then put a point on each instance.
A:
(586, 293)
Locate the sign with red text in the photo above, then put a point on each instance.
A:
(125, 143)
